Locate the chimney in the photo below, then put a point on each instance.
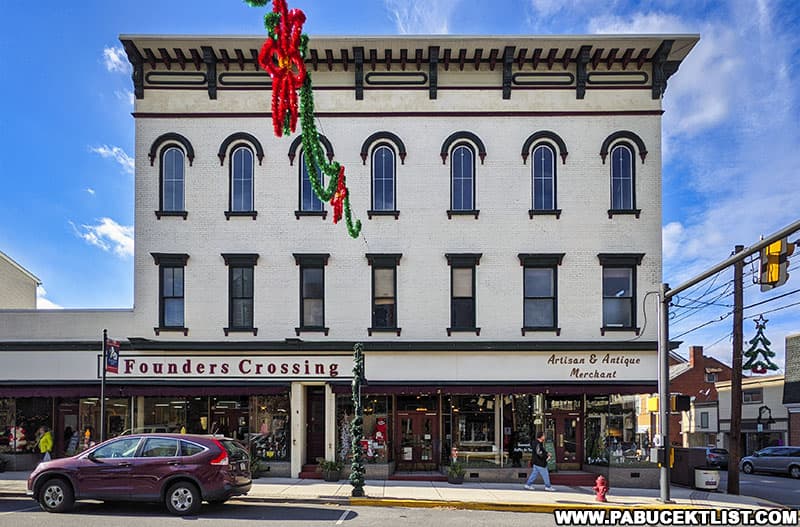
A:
(695, 356)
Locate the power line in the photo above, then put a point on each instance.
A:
(771, 299)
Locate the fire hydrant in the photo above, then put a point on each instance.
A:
(600, 488)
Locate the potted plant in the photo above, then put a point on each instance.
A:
(455, 473)
(331, 470)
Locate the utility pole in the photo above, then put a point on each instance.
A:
(734, 453)
(663, 391)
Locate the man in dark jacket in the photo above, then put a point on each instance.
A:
(539, 464)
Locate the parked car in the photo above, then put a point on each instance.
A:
(716, 457)
(179, 470)
(775, 459)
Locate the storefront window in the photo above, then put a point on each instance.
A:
(596, 430)
(230, 416)
(376, 444)
(20, 420)
(269, 415)
(118, 421)
(626, 445)
(473, 431)
(522, 419)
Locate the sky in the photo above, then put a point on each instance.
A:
(730, 138)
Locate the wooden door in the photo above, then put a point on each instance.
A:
(315, 423)
(417, 437)
(568, 439)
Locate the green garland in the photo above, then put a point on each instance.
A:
(357, 469)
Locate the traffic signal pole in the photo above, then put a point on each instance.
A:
(663, 352)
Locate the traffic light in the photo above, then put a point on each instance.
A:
(679, 403)
(775, 264)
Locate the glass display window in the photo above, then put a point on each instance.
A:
(376, 443)
(473, 429)
(269, 430)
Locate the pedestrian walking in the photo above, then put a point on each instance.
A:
(539, 464)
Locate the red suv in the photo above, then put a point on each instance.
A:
(177, 469)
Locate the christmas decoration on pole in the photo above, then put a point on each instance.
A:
(282, 56)
(357, 469)
(756, 364)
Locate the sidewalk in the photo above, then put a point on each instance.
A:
(483, 496)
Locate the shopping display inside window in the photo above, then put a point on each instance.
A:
(474, 429)
(271, 440)
(20, 419)
(375, 443)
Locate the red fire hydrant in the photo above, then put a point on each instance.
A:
(600, 488)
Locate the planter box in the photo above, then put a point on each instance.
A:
(331, 475)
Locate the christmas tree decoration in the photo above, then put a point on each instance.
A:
(759, 357)
(357, 469)
(282, 56)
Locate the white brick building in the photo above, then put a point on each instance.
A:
(454, 241)
(17, 285)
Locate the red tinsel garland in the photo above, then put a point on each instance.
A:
(337, 201)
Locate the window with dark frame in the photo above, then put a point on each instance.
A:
(540, 291)
(384, 292)
(711, 377)
(703, 419)
(172, 180)
(383, 178)
(312, 292)
(242, 166)
(753, 396)
(462, 291)
(309, 202)
(171, 289)
(619, 291)
(241, 289)
(543, 178)
(462, 178)
(622, 178)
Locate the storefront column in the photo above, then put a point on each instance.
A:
(297, 403)
(330, 423)
(139, 412)
(498, 429)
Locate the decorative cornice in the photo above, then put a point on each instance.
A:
(544, 134)
(298, 141)
(623, 134)
(462, 135)
(171, 137)
(240, 136)
(386, 136)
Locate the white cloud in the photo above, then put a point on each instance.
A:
(42, 302)
(671, 237)
(109, 236)
(117, 154)
(125, 95)
(115, 60)
(90, 191)
(421, 16)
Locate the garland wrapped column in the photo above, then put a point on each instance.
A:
(282, 56)
(357, 469)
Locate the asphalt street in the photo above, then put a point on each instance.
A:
(779, 489)
(24, 511)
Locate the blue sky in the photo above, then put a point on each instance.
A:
(731, 155)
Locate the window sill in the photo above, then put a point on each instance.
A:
(395, 213)
(240, 214)
(553, 212)
(370, 331)
(474, 212)
(254, 331)
(308, 329)
(624, 212)
(477, 331)
(321, 213)
(162, 213)
(618, 329)
(171, 329)
(557, 331)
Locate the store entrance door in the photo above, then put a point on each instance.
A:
(568, 439)
(315, 423)
(416, 438)
(66, 429)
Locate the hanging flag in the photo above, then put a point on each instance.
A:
(112, 356)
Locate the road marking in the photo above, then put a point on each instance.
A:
(20, 510)
(342, 517)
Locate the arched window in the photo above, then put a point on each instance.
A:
(543, 178)
(383, 180)
(462, 178)
(309, 202)
(241, 180)
(622, 195)
(172, 179)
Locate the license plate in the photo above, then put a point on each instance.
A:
(243, 466)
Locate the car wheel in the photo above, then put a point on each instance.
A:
(747, 468)
(183, 498)
(56, 496)
(794, 471)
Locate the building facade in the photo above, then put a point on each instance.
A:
(17, 285)
(791, 388)
(510, 192)
(765, 419)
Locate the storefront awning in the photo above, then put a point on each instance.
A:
(128, 390)
(490, 389)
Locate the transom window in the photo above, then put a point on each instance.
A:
(543, 178)
(242, 180)
(383, 179)
(309, 202)
(462, 169)
(172, 180)
(622, 193)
